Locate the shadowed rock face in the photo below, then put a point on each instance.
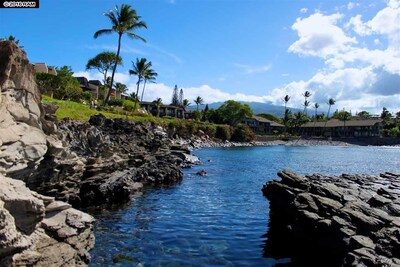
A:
(38, 231)
(350, 220)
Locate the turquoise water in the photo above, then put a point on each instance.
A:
(219, 219)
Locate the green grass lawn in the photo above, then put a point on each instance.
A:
(82, 112)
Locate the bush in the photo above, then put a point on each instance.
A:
(242, 133)
(395, 132)
(128, 105)
(196, 115)
(116, 102)
(208, 129)
(223, 132)
(87, 96)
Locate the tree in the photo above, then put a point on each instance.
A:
(140, 68)
(175, 97)
(232, 112)
(204, 116)
(185, 104)
(48, 83)
(123, 21)
(158, 103)
(181, 98)
(198, 101)
(330, 103)
(316, 106)
(103, 63)
(344, 116)
(149, 76)
(386, 116)
(286, 100)
(364, 115)
(121, 88)
(306, 104)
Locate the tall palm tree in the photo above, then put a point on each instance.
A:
(140, 67)
(198, 101)
(330, 103)
(306, 95)
(149, 76)
(185, 103)
(316, 106)
(286, 100)
(158, 103)
(124, 20)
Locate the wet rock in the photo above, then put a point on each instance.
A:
(349, 220)
(202, 173)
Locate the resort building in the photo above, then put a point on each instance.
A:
(91, 86)
(165, 110)
(42, 67)
(261, 126)
(337, 128)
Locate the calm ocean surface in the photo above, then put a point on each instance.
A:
(219, 220)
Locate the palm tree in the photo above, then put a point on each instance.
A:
(158, 103)
(306, 95)
(285, 117)
(140, 68)
(123, 21)
(316, 106)
(121, 88)
(149, 76)
(331, 102)
(198, 101)
(185, 103)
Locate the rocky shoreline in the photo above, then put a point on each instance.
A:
(347, 220)
(68, 164)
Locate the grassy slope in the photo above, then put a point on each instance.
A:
(81, 112)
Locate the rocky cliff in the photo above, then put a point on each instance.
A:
(35, 230)
(347, 220)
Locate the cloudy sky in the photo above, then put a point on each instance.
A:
(250, 50)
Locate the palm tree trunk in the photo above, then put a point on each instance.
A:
(144, 86)
(327, 117)
(113, 72)
(137, 94)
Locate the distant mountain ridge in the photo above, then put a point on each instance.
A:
(257, 108)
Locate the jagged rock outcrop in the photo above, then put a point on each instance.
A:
(20, 112)
(347, 220)
(36, 230)
(105, 161)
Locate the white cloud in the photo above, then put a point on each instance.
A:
(303, 10)
(352, 5)
(320, 36)
(247, 69)
(385, 22)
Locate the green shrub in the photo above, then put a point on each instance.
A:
(242, 133)
(128, 105)
(208, 129)
(196, 115)
(116, 102)
(223, 132)
(87, 96)
(395, 132)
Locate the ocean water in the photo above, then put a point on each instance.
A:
(219, 219)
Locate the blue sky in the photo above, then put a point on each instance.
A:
(250, 50)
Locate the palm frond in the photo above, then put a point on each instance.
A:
(102, 32)
(135, 36)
